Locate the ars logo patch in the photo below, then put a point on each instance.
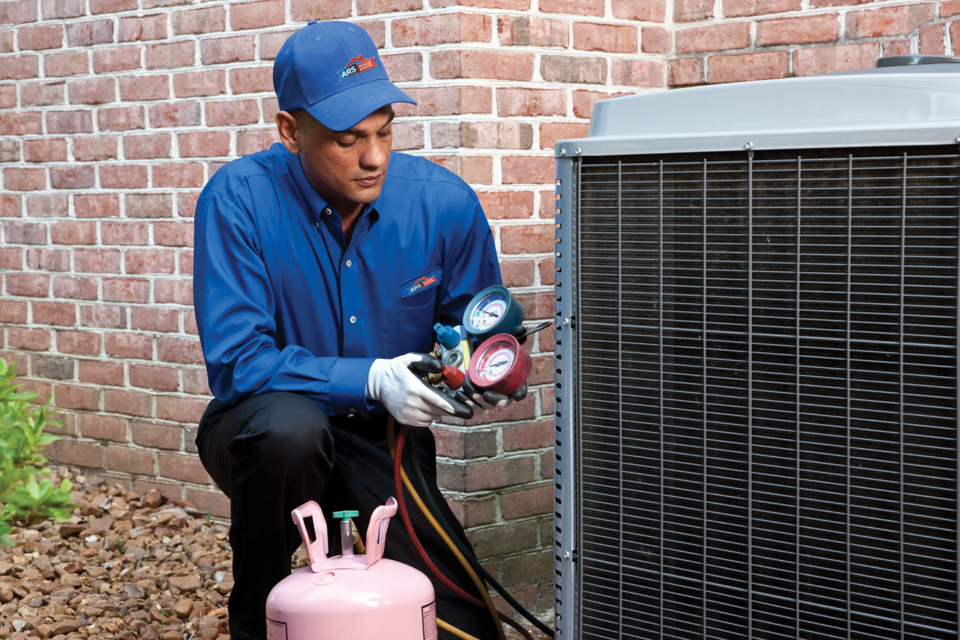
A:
(421, 283)
(355, 67)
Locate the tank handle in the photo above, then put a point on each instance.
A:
(316, 550)
(377, 530)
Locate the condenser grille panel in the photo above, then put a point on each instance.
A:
(768, 395)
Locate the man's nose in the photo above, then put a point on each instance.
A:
(374, 154)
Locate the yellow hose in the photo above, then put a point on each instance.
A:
(391, 445)
(452, 629)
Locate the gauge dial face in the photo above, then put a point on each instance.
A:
(495, 362)
(488, 311)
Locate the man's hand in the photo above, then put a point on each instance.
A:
(406, 396)
(476, 398)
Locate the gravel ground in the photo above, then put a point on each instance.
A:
(125, 566)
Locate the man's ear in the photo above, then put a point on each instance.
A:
(290, 131)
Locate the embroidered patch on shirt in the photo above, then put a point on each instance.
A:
(422, 283)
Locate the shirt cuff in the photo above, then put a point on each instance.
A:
(348, 385)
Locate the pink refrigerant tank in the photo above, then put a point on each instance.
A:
(351, 597)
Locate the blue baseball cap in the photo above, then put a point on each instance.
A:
(332, 69)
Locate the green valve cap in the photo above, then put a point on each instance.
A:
(345, 515)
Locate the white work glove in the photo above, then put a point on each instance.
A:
(472, 397)
(408, 397)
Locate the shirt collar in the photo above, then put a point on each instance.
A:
(316, 203)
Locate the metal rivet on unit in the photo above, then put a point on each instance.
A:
(566, 554)
(563, 152)
(566, 321)
(578, 151)
(748, 146)
(958, 139)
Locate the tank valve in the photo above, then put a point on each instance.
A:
(346, 531)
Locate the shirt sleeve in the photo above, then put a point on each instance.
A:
(235, 315)
(470, 264)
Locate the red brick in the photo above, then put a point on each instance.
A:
(257, 15)
(531, 102)
(104, 373)
(748, 66)
(129, 345)
(141, 28)
(404, 67)
(828, 59)
(76, 288)
(81, 454)
(719, 37)
(637, 73)
(529, 435)
(692, 10)
(526, 239)
(642, 10)
(655, 40)
(70, 63)
(45, 150)
(78, 342)
(10, 206)
(116, 59)
(130, 460)
(183, 351)
(25, 232)
(224, 50)
(119, 119)
(605, 37)
(187, 469)
(517, 273)
(180, 174)
(63, 314)
(126, 290)
(103, 316)
(376, 29)
(11, 259)
(441, 28)
(153, 377)
(149, 261)
(143, 147)
(949, 8)
(91, 32)
(251, 80)
(19, 67)
(131, 403)
(101, 205)
(102, 427)
(554, 131)
(490, 64)
(510, 5)
(498, 473)
(186, 263)
(21, 124)
(123, 176)
(7, 44)
(178, 409)
(44, 36)
(154, 319)
(28, 284)
(176, 291)
(888, 21)
(32, 93)
(446, 101)
(94, 148)
(48, 259)
(70, 122)
(15, 179)
(684, 72)
(18, 12)
(199, 21)
(897, 48)
(527, 502)
(73, 397)
(190, 322)
(231, 112)
(30, 339)
(573, 69)
(135, 88)
(737, 8)
(368, 7)
(931, 40)
(200, 83)
(305, 10)
(153, 435)
(496, 135)
(53, 9)
(195, 381)
(213, 501)
(536, 306)
(270, 43)
(148, 205)
(204, 144)
(407, 135)
(97, 260)
(526, 31)
(98, 7)
(819, 28)
(527, 170)
(167, 55)
(92, 91)
(575, 7)
(253, 141)
(125, 233)
(175, 114)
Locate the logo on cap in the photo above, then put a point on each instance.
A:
(355, 66)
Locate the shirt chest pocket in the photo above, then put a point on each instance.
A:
(411, 328)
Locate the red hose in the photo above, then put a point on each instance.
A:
(398, 488)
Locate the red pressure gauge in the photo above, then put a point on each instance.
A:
(500, 364)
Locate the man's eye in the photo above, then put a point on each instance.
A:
(347, 143)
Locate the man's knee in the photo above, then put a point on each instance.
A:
(287, 428)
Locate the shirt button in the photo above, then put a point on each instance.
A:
(353, 319)
(327, 211)
(349, 264)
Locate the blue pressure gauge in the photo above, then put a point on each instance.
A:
(492, 311)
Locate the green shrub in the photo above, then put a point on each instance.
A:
(27, 496)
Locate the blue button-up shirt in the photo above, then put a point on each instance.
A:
(285, 303)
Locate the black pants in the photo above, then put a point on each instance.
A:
(273, 452)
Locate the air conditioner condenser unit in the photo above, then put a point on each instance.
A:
(756, 361)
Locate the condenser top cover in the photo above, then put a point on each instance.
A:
(915, 104)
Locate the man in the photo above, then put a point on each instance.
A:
(312, 329)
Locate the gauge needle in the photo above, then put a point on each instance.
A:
(490, 313)
(498, 364)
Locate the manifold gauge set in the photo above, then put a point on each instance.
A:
(494, 318)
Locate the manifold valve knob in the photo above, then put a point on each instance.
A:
(452, 376)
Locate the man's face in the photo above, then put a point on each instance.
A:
(347, 167)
